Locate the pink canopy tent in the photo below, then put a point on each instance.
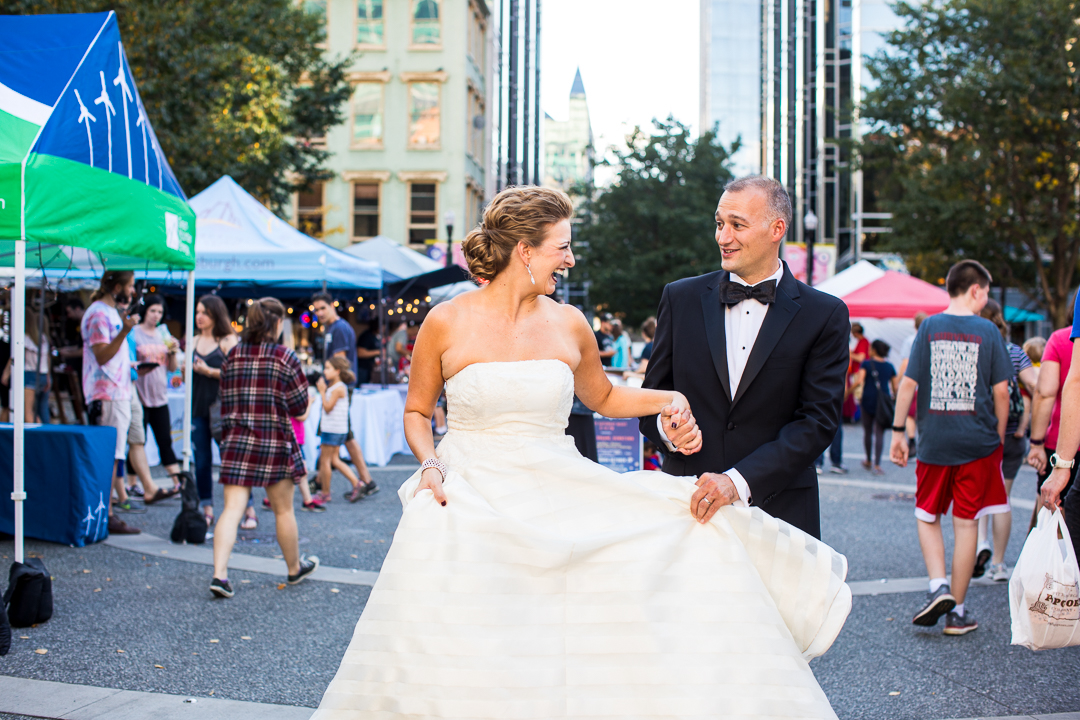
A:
(896, 295)
(870, 292)
(885, 302)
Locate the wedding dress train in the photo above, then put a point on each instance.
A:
(551, 587)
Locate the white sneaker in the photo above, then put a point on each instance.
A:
(998, 573)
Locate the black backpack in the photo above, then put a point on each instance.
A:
(1016, 401)
(29, 598)
(190, 524)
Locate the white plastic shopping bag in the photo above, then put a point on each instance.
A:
(1044, 595)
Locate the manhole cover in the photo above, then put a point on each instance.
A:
(894, 497)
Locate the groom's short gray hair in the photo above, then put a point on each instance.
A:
(778, 201)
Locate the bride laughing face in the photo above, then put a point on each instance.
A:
(546, 265)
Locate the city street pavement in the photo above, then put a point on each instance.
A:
(138, 620)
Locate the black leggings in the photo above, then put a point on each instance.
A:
(873, 436)
(158, 420)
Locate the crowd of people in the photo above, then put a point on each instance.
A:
(972, 407)
(128, 359)
(120, 361)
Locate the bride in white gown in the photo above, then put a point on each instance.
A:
(529, 582)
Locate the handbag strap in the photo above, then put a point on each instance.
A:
(877, 379)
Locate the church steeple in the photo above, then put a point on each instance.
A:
(578, 90)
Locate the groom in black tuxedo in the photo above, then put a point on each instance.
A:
(761, 357)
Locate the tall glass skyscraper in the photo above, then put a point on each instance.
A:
(813, 73)
(730, 91)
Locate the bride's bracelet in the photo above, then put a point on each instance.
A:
(434, 463)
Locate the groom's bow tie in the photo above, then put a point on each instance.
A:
(733, 293)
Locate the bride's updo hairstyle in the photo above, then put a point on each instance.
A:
(517, 214)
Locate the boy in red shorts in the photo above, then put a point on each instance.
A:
(961, 368)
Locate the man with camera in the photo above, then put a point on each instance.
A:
(107, 371)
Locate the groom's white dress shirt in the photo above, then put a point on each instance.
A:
(742, 323)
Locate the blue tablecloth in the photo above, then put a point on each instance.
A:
(68, 478)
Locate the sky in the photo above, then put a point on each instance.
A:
(638, 60)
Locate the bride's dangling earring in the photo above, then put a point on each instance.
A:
(531, 278)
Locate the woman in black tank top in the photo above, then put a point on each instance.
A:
(214, 340)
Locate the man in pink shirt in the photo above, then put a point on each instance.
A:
(1046, 408)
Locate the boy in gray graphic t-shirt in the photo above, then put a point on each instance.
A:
(961, 368)
(956, 360)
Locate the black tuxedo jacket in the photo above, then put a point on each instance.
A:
(786, 409)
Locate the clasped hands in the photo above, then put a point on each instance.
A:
(714, 489)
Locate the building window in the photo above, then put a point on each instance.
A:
(369, 23)
(424, 115)
(310, 211)
(476, 122)
(426, 30)
(367, 112)
(477, 39)
(474, 208)
(423, 208)
(365, 211)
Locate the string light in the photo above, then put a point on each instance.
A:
(408, 307)
(351, 308)
(389, 312)
(427, 299)
(315, 324)
(290, 311)
(335, 303)
(371, 306)
(250, 302)
(400, 301)
(360, 299)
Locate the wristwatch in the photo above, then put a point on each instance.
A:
(901, 428)
(1060, 463)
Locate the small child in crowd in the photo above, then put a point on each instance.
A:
(334, 427)
(309, 503)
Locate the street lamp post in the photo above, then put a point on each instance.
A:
(449, 218)
(810, 226)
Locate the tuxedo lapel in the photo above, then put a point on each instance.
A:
(776, 321)
(715, 331)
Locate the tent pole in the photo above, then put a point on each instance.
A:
(189, 355)
(38, 382)
(18, 395)
(382, 338)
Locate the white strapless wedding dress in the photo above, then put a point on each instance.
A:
(551, 587)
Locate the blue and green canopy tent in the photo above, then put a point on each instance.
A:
(83, 180)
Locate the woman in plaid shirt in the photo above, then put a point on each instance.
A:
(262, 386)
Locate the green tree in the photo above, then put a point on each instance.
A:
(232, 87)
(655, 224)
(976, 117)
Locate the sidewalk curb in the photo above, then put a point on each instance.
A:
(64, 701)
(147, 544)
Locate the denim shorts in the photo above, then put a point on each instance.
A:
(327, 438)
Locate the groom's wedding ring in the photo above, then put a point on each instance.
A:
(706, 500)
